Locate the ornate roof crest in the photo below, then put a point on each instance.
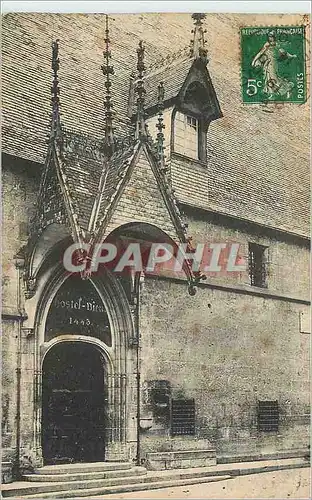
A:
(55, 91)
(197, 47)
(140, 129)
(160, 126)
(108, 70)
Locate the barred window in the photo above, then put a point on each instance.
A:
(258, 265)
(182, 417)
(268, 416)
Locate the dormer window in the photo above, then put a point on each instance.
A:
(189, 137)
(189, 106)
(186, 135)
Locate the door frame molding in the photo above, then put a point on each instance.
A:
(120, 357)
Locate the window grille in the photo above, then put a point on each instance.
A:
(159, 400)
(268, 416)
(258, 265)
(182, 417)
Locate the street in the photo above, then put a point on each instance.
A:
(286, 484)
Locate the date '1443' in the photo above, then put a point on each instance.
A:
(81, 322)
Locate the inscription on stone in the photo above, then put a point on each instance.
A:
(78, 309)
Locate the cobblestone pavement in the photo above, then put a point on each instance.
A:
(286, 484)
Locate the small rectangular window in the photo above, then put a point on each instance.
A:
(192, 122)
(258, 265)
(182, 417)
(268, 416)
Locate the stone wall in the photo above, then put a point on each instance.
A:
(20, 184)
(18, 188)
(228, 347)
(288, 256)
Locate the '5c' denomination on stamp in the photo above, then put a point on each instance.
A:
(273, 64)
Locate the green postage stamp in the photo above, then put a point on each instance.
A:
(273, 64)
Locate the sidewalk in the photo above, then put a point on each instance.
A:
(284, 485)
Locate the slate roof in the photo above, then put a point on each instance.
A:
(117, 167)
(83, 175)
(172, 74)
(258, 161)
(91, 178)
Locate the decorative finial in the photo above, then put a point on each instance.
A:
(160, 126)
(108, 70)
(140, 91)
(197, 47)
(55, 90)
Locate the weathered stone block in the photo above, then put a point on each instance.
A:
(181, 459)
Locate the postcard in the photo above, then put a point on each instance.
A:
(156, 306)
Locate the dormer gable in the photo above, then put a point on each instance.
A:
(187, 84)
(197, 95)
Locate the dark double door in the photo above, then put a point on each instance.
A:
(74, 404)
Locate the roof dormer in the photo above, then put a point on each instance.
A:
(190, 101)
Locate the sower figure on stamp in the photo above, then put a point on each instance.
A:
(269, 57)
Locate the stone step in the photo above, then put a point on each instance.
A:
(131, 483)
(106, 490)
(83, 467)
(84, 476)
(57, 487)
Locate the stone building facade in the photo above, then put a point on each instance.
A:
(152, 367)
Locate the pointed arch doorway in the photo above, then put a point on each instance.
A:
(74, 404)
